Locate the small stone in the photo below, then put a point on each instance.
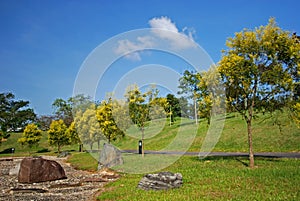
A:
(63, 154)
(161, 181)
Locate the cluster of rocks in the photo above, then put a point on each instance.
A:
(71, 184)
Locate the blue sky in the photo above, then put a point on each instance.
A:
(44, 43)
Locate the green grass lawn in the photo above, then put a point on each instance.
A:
(214, 178)
(218, 179)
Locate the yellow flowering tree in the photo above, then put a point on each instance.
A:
(259, 71)
(88, 127)
(31, 136)
(73, 135)
(57, 135)
(107, 120)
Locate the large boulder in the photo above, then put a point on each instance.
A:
(110, 156)
(161, 181)
(34, 170)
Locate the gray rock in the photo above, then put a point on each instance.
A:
(15, 170)
(34, 170)
(160, 181)
(110, 156)
(63, 154)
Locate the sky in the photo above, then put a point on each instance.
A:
(47, 47)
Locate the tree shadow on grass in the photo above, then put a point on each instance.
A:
(243, 159)
(44, 150)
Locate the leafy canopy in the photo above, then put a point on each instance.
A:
(57, 135)
(31, 135)
(260, 68)
(14, 114)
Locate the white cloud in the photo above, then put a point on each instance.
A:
(131, 50)
(163, 23)
(163, 29)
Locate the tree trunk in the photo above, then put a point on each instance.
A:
(170, 116)
(251, 155)
(143, 142)
(80, 147)
(58, 148)
(195, 110)
(249, 125)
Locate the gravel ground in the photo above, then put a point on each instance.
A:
(80, 185)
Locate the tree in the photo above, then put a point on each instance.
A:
(259, 70)
(296, 113)
(57, 135)
(210, 94)
(31, 136)
(1, 136)
(174, 108)
(188, 84)
(63, 110)
(14, 114)
(184, 107)
(73, 135)
(44, 122)
(107, 122)
(138, 109)
(159, 108)
(120, 114)
(88, 127)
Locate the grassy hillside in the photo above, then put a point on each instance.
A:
(42, 149)
(275, 133)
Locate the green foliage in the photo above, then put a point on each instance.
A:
(259, 71)
(189, 85)
(296, 113)
(1, 136)
(206, 90)
(44, 121)
(57, 135)
(31, 136)
(73, 134)
(88, 127)
(138, 109)
(64, 109)
(120, 113)
(14, 114)
(172, 107)
(260, 68)
(107, 122)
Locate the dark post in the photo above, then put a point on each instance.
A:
(140, 146)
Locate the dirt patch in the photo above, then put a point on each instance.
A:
(79, 185)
